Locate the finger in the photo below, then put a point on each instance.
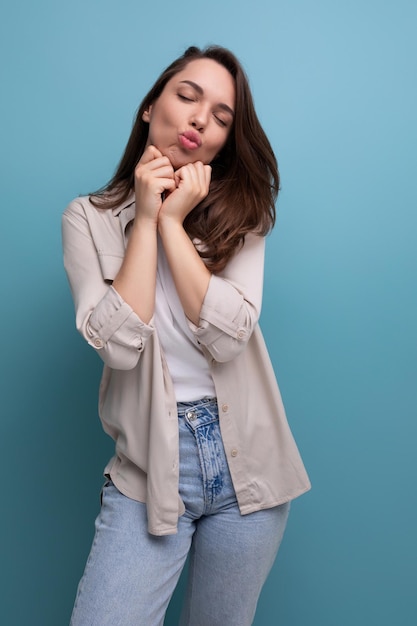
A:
(186, 178)
(192, 177)
(161, 163)
(156, 169)
(200, 174)
(168, 184)
(207, 174)
(191, 182)
(150, 153)
(160, 185)
(190, 171)
(202, 170)
(177, 178)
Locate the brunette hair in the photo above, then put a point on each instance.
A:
(245, 179)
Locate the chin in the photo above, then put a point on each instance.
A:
(177, 163)
(178, 158)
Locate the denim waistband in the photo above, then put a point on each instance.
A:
(198, 412)
(195, 404)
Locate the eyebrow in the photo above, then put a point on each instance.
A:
(200, 91)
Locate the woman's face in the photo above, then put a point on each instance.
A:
(192, 118)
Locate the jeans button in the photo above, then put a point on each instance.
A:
(190, 415)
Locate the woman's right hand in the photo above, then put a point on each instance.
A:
(154, 175)
(136, 279)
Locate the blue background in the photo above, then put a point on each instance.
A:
(335, 88)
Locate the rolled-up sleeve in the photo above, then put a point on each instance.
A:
(104, 319)
(233, 301)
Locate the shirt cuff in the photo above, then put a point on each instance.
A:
(114, 320)
(223, 311)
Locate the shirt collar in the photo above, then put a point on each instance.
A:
(126, 210)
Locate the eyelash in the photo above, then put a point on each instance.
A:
(181, 97)
(221, 122)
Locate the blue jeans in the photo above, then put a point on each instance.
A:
(131, 575)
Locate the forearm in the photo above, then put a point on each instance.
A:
(191, 276)
(136, 279)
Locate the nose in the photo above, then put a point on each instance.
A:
(199, 119)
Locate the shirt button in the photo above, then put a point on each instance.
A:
(225, 408)
(240, 334)
(98, 343)
(234, 452)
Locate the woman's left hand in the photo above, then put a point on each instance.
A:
(192, 186)
(191, 276)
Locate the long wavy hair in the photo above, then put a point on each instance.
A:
(245, 178)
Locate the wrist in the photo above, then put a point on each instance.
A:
(169, 224)
(142, 222)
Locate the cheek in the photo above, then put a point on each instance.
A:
(160, 119)
(221, 142)
(217, 135)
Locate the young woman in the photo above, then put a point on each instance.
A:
(165, 266)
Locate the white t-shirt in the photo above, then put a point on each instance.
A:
(186, 362)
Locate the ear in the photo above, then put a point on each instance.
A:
(146, 116)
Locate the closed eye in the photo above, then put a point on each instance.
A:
(220, 121)
(181, 97)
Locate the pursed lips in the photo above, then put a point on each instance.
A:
(190, 140)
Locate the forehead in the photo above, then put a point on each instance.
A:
(215, 80)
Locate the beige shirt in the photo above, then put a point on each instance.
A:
(137, 403)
